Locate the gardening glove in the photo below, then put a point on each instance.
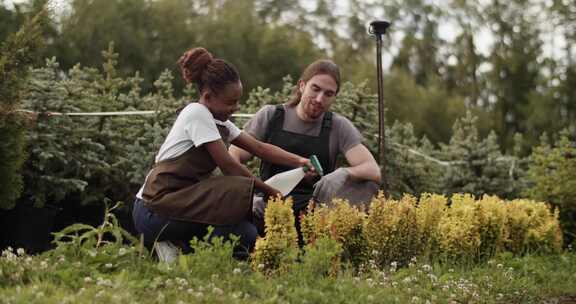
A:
(258, 206)
(327, 187)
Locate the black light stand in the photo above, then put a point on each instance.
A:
(377, 29)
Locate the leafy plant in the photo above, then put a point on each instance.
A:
(552, 177)
(278, 250)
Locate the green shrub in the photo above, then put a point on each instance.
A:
(431, 209)
(278, 250)
(341, 222)
(552, 175)
(391, 230)
(532, 227)
(321, 258)
(459, 230)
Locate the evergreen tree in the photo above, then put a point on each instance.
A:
(552, 177)
(515, 66)
(17, 54)
(477, 166)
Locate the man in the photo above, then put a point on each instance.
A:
(304, 126)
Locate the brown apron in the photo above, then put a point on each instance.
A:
(183, 188)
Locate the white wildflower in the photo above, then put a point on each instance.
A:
(218, 291)
(20, 251)
(237, 271)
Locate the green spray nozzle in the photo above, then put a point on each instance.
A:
(316, 164)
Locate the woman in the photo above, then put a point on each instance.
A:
(180, 198)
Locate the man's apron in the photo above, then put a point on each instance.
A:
(183, 188)
(300, 144)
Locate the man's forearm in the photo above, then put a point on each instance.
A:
(365, 171)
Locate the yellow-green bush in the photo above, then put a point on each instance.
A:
(391, 230)
(466, 230)
(340, 221)
(532, 227)
(431, 209)
(491, 221)
(458, 231)
(278, 250)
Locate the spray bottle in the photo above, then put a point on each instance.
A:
(287, 180)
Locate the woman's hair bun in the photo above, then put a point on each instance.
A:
(193, 62)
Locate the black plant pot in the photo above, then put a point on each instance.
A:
(28, 227)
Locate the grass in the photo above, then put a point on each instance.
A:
(116, 273)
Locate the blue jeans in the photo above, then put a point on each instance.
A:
(154, 227)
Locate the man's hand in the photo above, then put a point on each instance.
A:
(329, 184)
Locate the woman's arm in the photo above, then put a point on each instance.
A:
(238, 154)
(247, 145)
(229, 166)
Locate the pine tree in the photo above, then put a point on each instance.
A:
(476, 165)
(17, 54)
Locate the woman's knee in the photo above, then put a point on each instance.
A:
(245, 230)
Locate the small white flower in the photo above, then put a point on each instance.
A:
(415, 299)
(122, 251)
(108, 265)
(499, 266)
(370, 298)
(199, 294)
(237, 271)
(217, 291)
(427, 267)
(261, 266)
(237, 295)
(20, 251)
(88, 280)
(161, 297)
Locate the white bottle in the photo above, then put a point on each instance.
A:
(286, 181)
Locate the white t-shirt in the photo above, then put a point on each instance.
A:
(194, 127)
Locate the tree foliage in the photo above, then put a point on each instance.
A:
(553, 179)
(17, 53)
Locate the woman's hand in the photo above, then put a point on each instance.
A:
(270, 192)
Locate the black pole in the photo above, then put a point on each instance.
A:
(377, 29)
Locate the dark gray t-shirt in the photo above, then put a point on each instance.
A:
(343, 135)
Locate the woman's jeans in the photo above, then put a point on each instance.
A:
(156, 228)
